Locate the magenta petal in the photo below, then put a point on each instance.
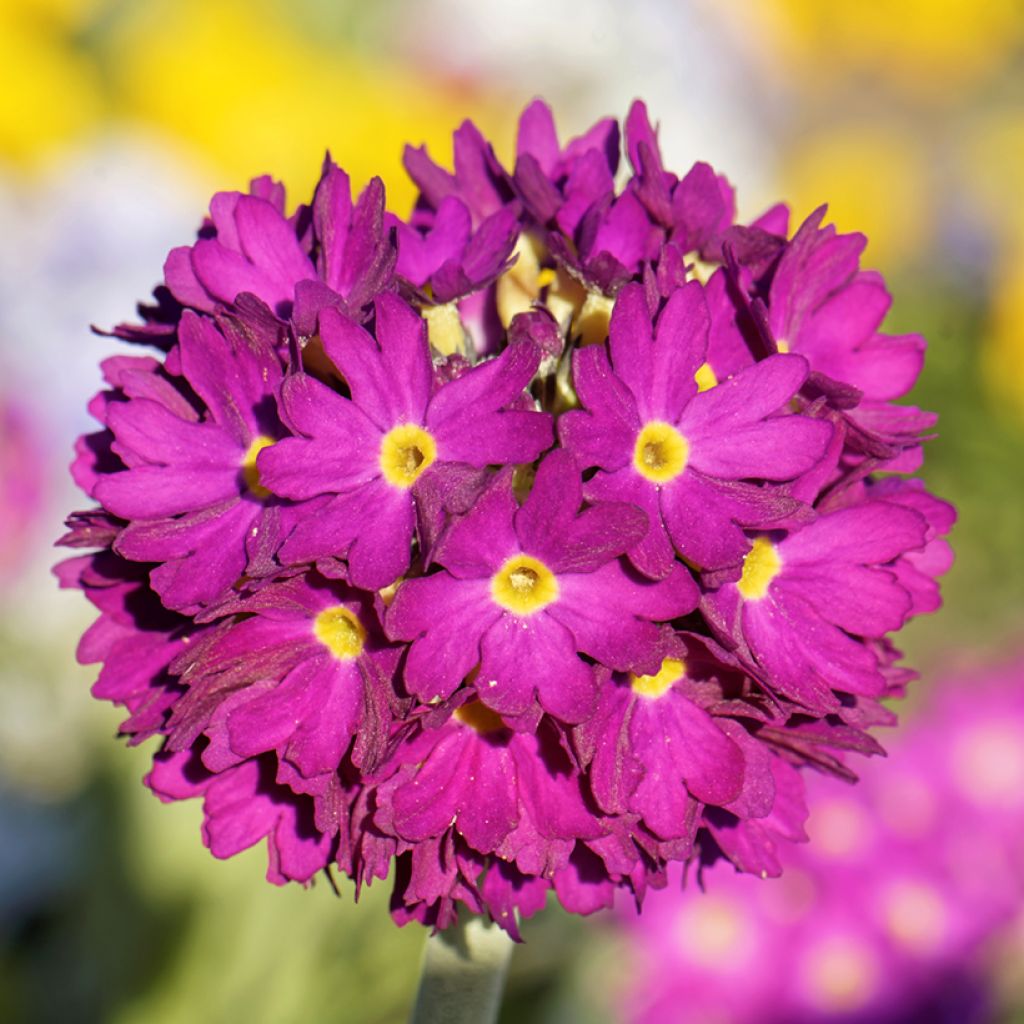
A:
(537, 135)
(430, 801)
(489, 812)
(381, 549)
(152, 492)
(630, 339)
(405, 356)
(606, 612)
(865, 601)
(150, 432)
(680, 347)
(343, 452)
(311, 716)
(444, 618)
(182, 281)
(871, 533)
(232, 373)
(332, 217)
(754, 393)
(270, 243)
(653, 555)
(605, 434)
(688, 741)
(226, 274)
(477, 543)
(468, 418)
(535, 655)
(701, 517)
(355, 353)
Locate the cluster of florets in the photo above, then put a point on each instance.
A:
(884, 916)
(531, 543)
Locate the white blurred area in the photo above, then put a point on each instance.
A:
(81, 243)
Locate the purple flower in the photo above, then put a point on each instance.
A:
(561, 183)
(449, 260)
(249, 246)
(479, 179)
(696, 210)
(685, 457)
(369, 451)
(303, 672)
(652, 732)
(525, 588)
(382, 613)
(803, 601)
(826, 309)
(511, 794)
(191, 494)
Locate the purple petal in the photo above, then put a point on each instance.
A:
(522, 657)
(444, 618)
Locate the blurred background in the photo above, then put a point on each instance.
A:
(120, 118)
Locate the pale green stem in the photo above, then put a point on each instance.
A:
(463, 974)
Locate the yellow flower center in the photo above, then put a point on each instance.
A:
(479, 718)
(405, 452)
(782, 346)
(340, 631)
(250, 475)
(661, 452)
(671, 671)
(705, 377)
(760, 567)
(524, 585)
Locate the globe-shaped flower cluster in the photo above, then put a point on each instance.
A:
(529, 543)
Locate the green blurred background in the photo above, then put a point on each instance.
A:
(119, 119)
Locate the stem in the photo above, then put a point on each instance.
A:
(463, 974)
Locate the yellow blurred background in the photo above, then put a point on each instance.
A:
(120, 117)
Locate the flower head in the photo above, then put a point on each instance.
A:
(528, 544)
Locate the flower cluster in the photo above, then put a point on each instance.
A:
(884, 916)
(530, 543)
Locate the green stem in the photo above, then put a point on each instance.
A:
(463, 974)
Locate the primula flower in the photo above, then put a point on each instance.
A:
(530, 544)
(830, 577)
(524, 590)
(190, 491)
(303, 671)
(370, 450)
(248, 246)
(680, 455)
(511, 794)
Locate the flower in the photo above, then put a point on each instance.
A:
(189, 490)
(680, 455)
(372, 449)
(525, 589)
(529, 544)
